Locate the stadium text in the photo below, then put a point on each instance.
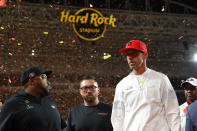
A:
(94, 19)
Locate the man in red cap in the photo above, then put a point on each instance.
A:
(145, 99)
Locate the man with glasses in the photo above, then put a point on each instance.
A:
(145, 99)
(31, 109)
(190, 92)
(92, 115)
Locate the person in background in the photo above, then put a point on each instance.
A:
(190, 91)
(191, 117)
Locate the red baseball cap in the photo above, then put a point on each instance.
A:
(134, 44)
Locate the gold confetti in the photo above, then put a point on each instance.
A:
(19, 44)
(46, 33)
(26, 101)
(142, 82)
(106, 57)
(61, 42)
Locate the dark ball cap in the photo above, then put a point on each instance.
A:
(32, 72)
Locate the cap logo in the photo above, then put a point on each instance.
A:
(130, 43)
(191, 79)
(31, 75)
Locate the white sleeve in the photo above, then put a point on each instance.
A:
(171, 105)
(118, 110)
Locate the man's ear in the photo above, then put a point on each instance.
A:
(145, 55)
(79, 91)
(99, 92)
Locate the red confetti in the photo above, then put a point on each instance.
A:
(73, 41)
(10, 81)
(180, 37)
(13, 38)
(1, 66)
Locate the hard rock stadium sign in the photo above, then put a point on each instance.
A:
(88, 23)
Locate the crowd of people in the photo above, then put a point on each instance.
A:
(41, 42)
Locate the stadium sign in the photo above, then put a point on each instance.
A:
(88, 23)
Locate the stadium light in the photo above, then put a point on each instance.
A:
(195, 57)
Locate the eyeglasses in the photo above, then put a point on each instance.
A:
(43, 76)
(86, 88)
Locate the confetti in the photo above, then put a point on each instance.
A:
(10, 54)
(68, 66)
(46, 33)
(10, 81)
(180, 37)
(73, 41)
(106, 57)
(163, 9)
(1, 67)
(26, 101)
(91, 5)
(32, 52)
(13, 38)
(61, 42)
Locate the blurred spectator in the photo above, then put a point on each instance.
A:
(191, 117)
(190, 90)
